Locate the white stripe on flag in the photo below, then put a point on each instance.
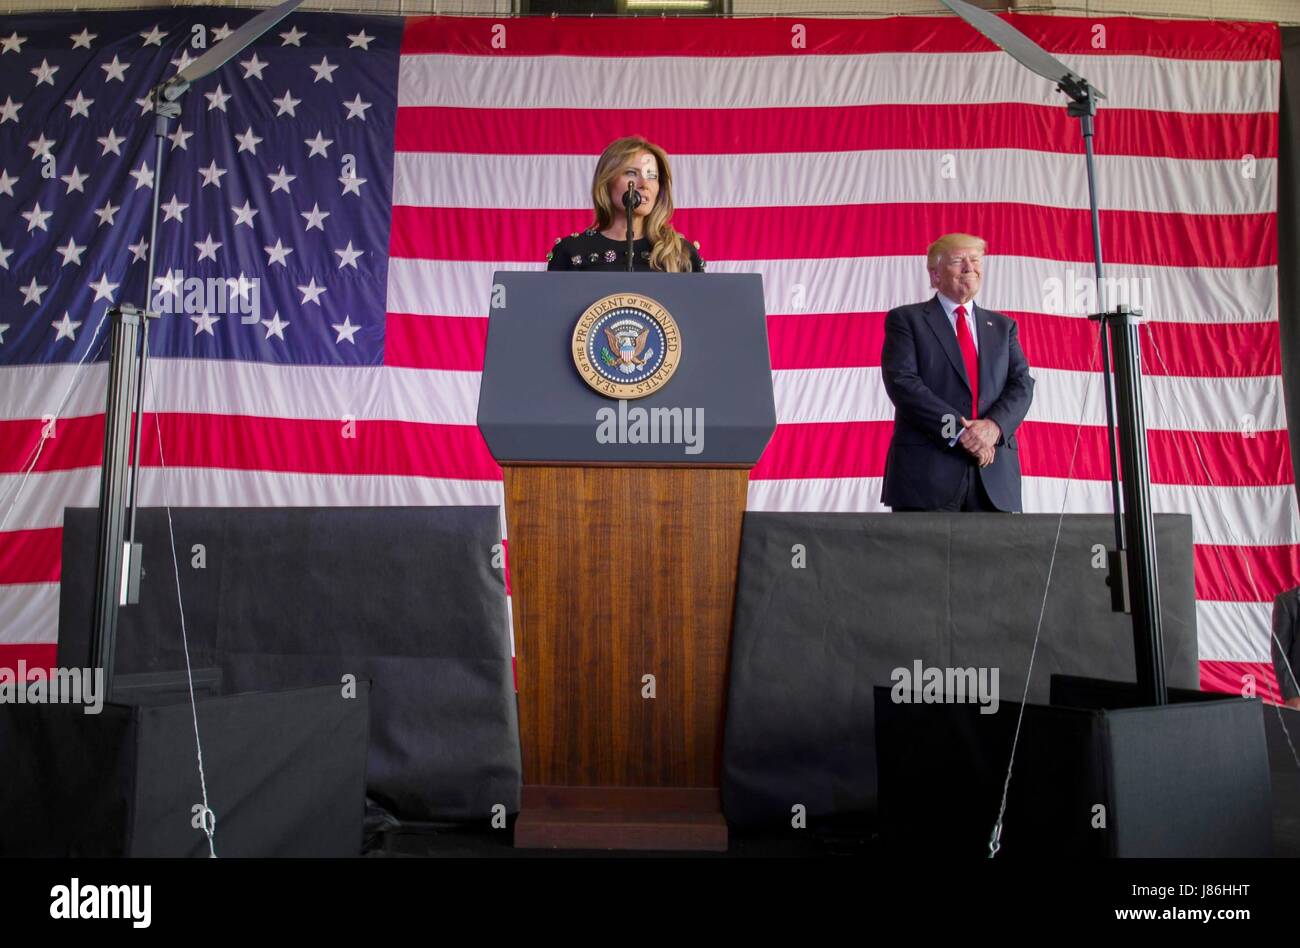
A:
(812, 81)
(878, 284)
(830, 179)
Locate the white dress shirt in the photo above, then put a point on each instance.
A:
(950, 308)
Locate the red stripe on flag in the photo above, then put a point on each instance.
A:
(859, 230)
(1230, 459)
(858, 449)
(1231, 678)
(500, 37)
(1197, 350)
(454, 343)
(853, 340)
(1245, 573)
(31, 556)
(1010, 125)
(36, 655)
(242, 442)
(825, 340)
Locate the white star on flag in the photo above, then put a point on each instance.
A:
(345, 330)
(32, 292)
(357, 109)
(9, 111)
(208, 248)
(174, 210)
(217, 99)
(180, 138)
(71, 253)
(36, 218)
(7, 183)
(204, 322)
(278, 253)
(212, 174)
(318, 145)
(323, 69)
(348, 256)
(169, 284)
(351, 184)
(105, 213)
(153, 37)
(253, 67)
(139, 250)
(280, 181)
(67, 327)
(82, 40)
(79, 106)
(111, 142)
(115, 70)
(311, 292)
(292, 36)
(143, 176)
(74, 180)
(41, 146)
(274, 327)
(287, 103)
(4, 256)
(315, 218)
(245, 214)
(14, 44)
(361, 40)
(44, 73)
(103, 289)
(248, 141)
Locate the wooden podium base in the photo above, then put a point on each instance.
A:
(669, 818)
(623, 583)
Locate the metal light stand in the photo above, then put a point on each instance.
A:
(1139, 517)
(1084, 108)
(1132, 572)
(118, 560)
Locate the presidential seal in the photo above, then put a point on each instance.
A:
(626, 346)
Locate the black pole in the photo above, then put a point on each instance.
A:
(1148, 637)
(630, 201)
(109, 551)
(1084, 108)
(130, 341)
(164, 110)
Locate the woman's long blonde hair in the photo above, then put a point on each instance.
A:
(668, 249)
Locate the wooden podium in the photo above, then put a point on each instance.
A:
(623, 556)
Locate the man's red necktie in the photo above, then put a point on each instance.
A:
(970, 357)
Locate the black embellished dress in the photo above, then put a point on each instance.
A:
(592, 250)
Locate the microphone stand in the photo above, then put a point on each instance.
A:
(631, 199)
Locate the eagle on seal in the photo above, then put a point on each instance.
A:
(628, 348)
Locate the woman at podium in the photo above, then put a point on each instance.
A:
(643, 167)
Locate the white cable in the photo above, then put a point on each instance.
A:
(995, 839)
(209, 818)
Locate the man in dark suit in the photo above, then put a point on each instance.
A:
(960, 387)
(1286, 645)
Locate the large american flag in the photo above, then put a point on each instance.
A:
(822, 153)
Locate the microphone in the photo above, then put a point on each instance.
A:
(631, 199)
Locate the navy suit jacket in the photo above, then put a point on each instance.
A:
(926, 380)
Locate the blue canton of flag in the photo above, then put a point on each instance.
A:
(275, 193)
